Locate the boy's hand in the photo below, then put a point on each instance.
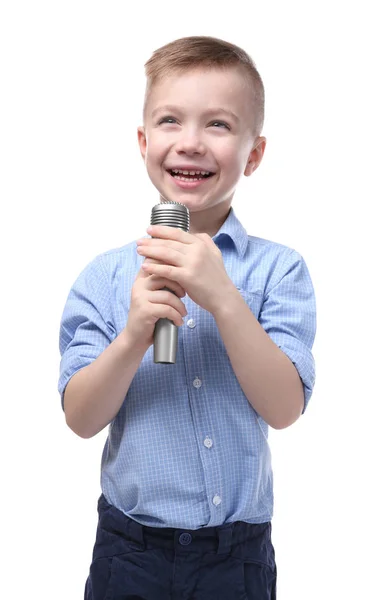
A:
(149, 303)
(192, 260)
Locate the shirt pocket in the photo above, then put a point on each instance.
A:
(254, 300)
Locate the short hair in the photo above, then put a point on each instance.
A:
(202, 51)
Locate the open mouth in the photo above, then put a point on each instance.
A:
(190, 175)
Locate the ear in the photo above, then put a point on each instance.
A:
(142, 139)
(256, 155)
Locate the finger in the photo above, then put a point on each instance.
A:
(161, 243)
(163, 253)
(162, 270)
(169, 299)
(142, 274)
(163, 311)
(153, 281)
(157, 283)
(170, 233)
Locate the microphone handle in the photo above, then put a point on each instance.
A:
(165, 343)
(165, 340)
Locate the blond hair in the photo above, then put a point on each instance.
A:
(206, 52)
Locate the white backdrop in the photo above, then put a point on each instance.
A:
(73, 185)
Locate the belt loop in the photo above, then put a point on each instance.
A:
(225, 538)
(135, 532)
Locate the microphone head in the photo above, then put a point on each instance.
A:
(171, 214)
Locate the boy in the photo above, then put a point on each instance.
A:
(187, 496)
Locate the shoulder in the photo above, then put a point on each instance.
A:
(258, 244)
(116, 255)
(102, 274)
(272, 253)
(273, 262)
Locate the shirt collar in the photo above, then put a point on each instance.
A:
(233, 229)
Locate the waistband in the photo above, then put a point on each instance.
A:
(206, 539)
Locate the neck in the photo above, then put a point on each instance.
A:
(201, 223)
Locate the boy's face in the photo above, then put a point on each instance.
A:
(201, 122)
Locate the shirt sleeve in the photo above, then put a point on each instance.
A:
(288, 315)
(86, 327)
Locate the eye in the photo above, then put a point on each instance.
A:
(220, 124)
(170, 120)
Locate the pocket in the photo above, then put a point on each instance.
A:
(140, 575)
(99, 579)
(259, 581)
(254, 300)
(257, 556)
(113, 577)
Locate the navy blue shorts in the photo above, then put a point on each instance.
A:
(135, 562)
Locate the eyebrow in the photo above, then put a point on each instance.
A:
(210, 112)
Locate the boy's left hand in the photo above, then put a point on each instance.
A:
(193, 260)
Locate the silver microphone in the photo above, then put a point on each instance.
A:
(171, 214)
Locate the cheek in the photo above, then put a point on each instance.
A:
(227, 153)
(157, 149)
(231, 162)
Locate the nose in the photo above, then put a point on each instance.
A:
(190, 142)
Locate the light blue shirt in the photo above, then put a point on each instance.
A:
(186, 449)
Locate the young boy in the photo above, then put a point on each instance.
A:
(187, 491)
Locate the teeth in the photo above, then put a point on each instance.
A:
(190, 172)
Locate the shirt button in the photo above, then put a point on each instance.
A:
(216, 500)
(185, 539)
(208, 442)
(197, 382)
(191, 323)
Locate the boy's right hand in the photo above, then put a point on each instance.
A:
(150, 302)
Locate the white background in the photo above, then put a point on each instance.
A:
(73, 185)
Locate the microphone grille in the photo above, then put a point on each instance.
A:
(171, 214)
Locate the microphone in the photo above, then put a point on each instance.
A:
(171, 214)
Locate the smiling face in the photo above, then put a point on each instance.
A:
(198, 139)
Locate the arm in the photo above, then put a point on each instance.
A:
(271, 352)
(94, 394)
(267, 377)
(97, 365)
